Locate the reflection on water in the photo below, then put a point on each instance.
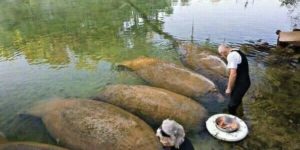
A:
(45, 30)
(69, 48)
(293, 11)
(229, 20)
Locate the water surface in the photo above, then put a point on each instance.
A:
(70, 48)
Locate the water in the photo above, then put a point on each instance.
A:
(70, 48)
(229, 21)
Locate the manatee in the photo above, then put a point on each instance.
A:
(200, 59)
(154, 105)
(93, 125)
(28, 146)
(172, 77)
(203, 61)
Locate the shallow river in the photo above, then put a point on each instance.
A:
(70, 48)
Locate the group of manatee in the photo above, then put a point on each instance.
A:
(123, 116)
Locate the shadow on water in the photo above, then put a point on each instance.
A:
(214, 102)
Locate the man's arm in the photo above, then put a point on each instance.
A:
(231, 81)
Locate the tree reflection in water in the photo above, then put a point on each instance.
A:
(48, 32)
(293, 11)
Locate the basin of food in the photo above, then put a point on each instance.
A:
(227, 124)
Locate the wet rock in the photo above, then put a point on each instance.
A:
(263, 46)
(293, 64)
(200, 58)
(172, 77)
(259, 45)
(296, 59)
(154, 105)
(87, 124)
(29, 146)
(290, 51)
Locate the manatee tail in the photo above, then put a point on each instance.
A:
(42, 108)
(37, 110)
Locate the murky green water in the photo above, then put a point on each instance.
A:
(69, 48)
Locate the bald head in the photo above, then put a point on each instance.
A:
(224, 50)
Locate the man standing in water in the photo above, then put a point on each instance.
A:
(239, 80)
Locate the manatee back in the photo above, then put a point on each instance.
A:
(177, 79)
(202, 59)
(86, 124)
(155, 105)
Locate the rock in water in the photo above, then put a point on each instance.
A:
(172, 77)
(29, 146)
(154, 105)
(200, 59)
(93, 125)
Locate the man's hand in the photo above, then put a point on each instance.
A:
(228, 91)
